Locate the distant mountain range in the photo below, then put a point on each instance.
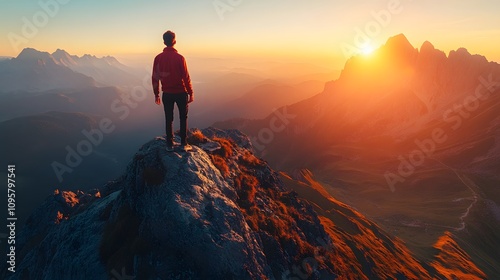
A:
(36, 71)
(106, 70)
(408, 136)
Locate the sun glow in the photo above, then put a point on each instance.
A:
(367, 49)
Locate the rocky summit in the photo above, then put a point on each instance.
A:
(215, 212)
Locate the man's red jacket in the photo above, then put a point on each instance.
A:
(170, 68)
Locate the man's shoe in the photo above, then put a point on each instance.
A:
(186, 147)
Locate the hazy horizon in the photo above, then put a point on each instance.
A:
(325, 31)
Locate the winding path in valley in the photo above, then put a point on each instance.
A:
(471, 186)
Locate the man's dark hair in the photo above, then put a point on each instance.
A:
(169, 38)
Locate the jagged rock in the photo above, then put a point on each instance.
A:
(237, 136)
(174, 215)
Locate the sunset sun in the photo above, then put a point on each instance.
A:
(367, 50)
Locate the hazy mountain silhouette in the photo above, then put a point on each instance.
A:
(374, 119)
(36, 71)
(261, 100)
(33, 71)
(106, 70)
(217, 212)
(235, 84)
(253, 95)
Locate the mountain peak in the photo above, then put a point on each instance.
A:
(359, 71)
(26, 51)
(462, 55)
(32, 54)
(64, 58)
(427, 46)
(60, 51)
(111, 60)
(399, 49)
(462, 51)
(89, 56)
(398, 42)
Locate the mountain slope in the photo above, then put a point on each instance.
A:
(217, 212)
(452, 262)
(379, 135)
(449, 260)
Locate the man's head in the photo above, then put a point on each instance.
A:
(169, 38)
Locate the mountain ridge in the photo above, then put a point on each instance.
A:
(42, 71)
(35, 71)
(106, 70)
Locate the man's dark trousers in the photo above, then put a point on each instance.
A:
(181, 99)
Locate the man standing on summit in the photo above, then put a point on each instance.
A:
(170, 68)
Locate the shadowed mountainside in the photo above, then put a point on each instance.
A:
(410, 137)
(447, 261)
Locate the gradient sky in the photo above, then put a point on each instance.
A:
(283, 28)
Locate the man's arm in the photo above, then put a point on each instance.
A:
(187, 80)
(155, 79)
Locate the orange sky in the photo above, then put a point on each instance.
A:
(319, 30)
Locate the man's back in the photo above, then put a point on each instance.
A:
(170, 68)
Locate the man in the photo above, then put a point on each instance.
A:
(170, 68)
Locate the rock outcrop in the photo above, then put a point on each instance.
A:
(215, 214)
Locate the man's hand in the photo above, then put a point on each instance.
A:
(191, 98)
(157, 99)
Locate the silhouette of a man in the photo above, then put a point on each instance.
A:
(170, 69)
